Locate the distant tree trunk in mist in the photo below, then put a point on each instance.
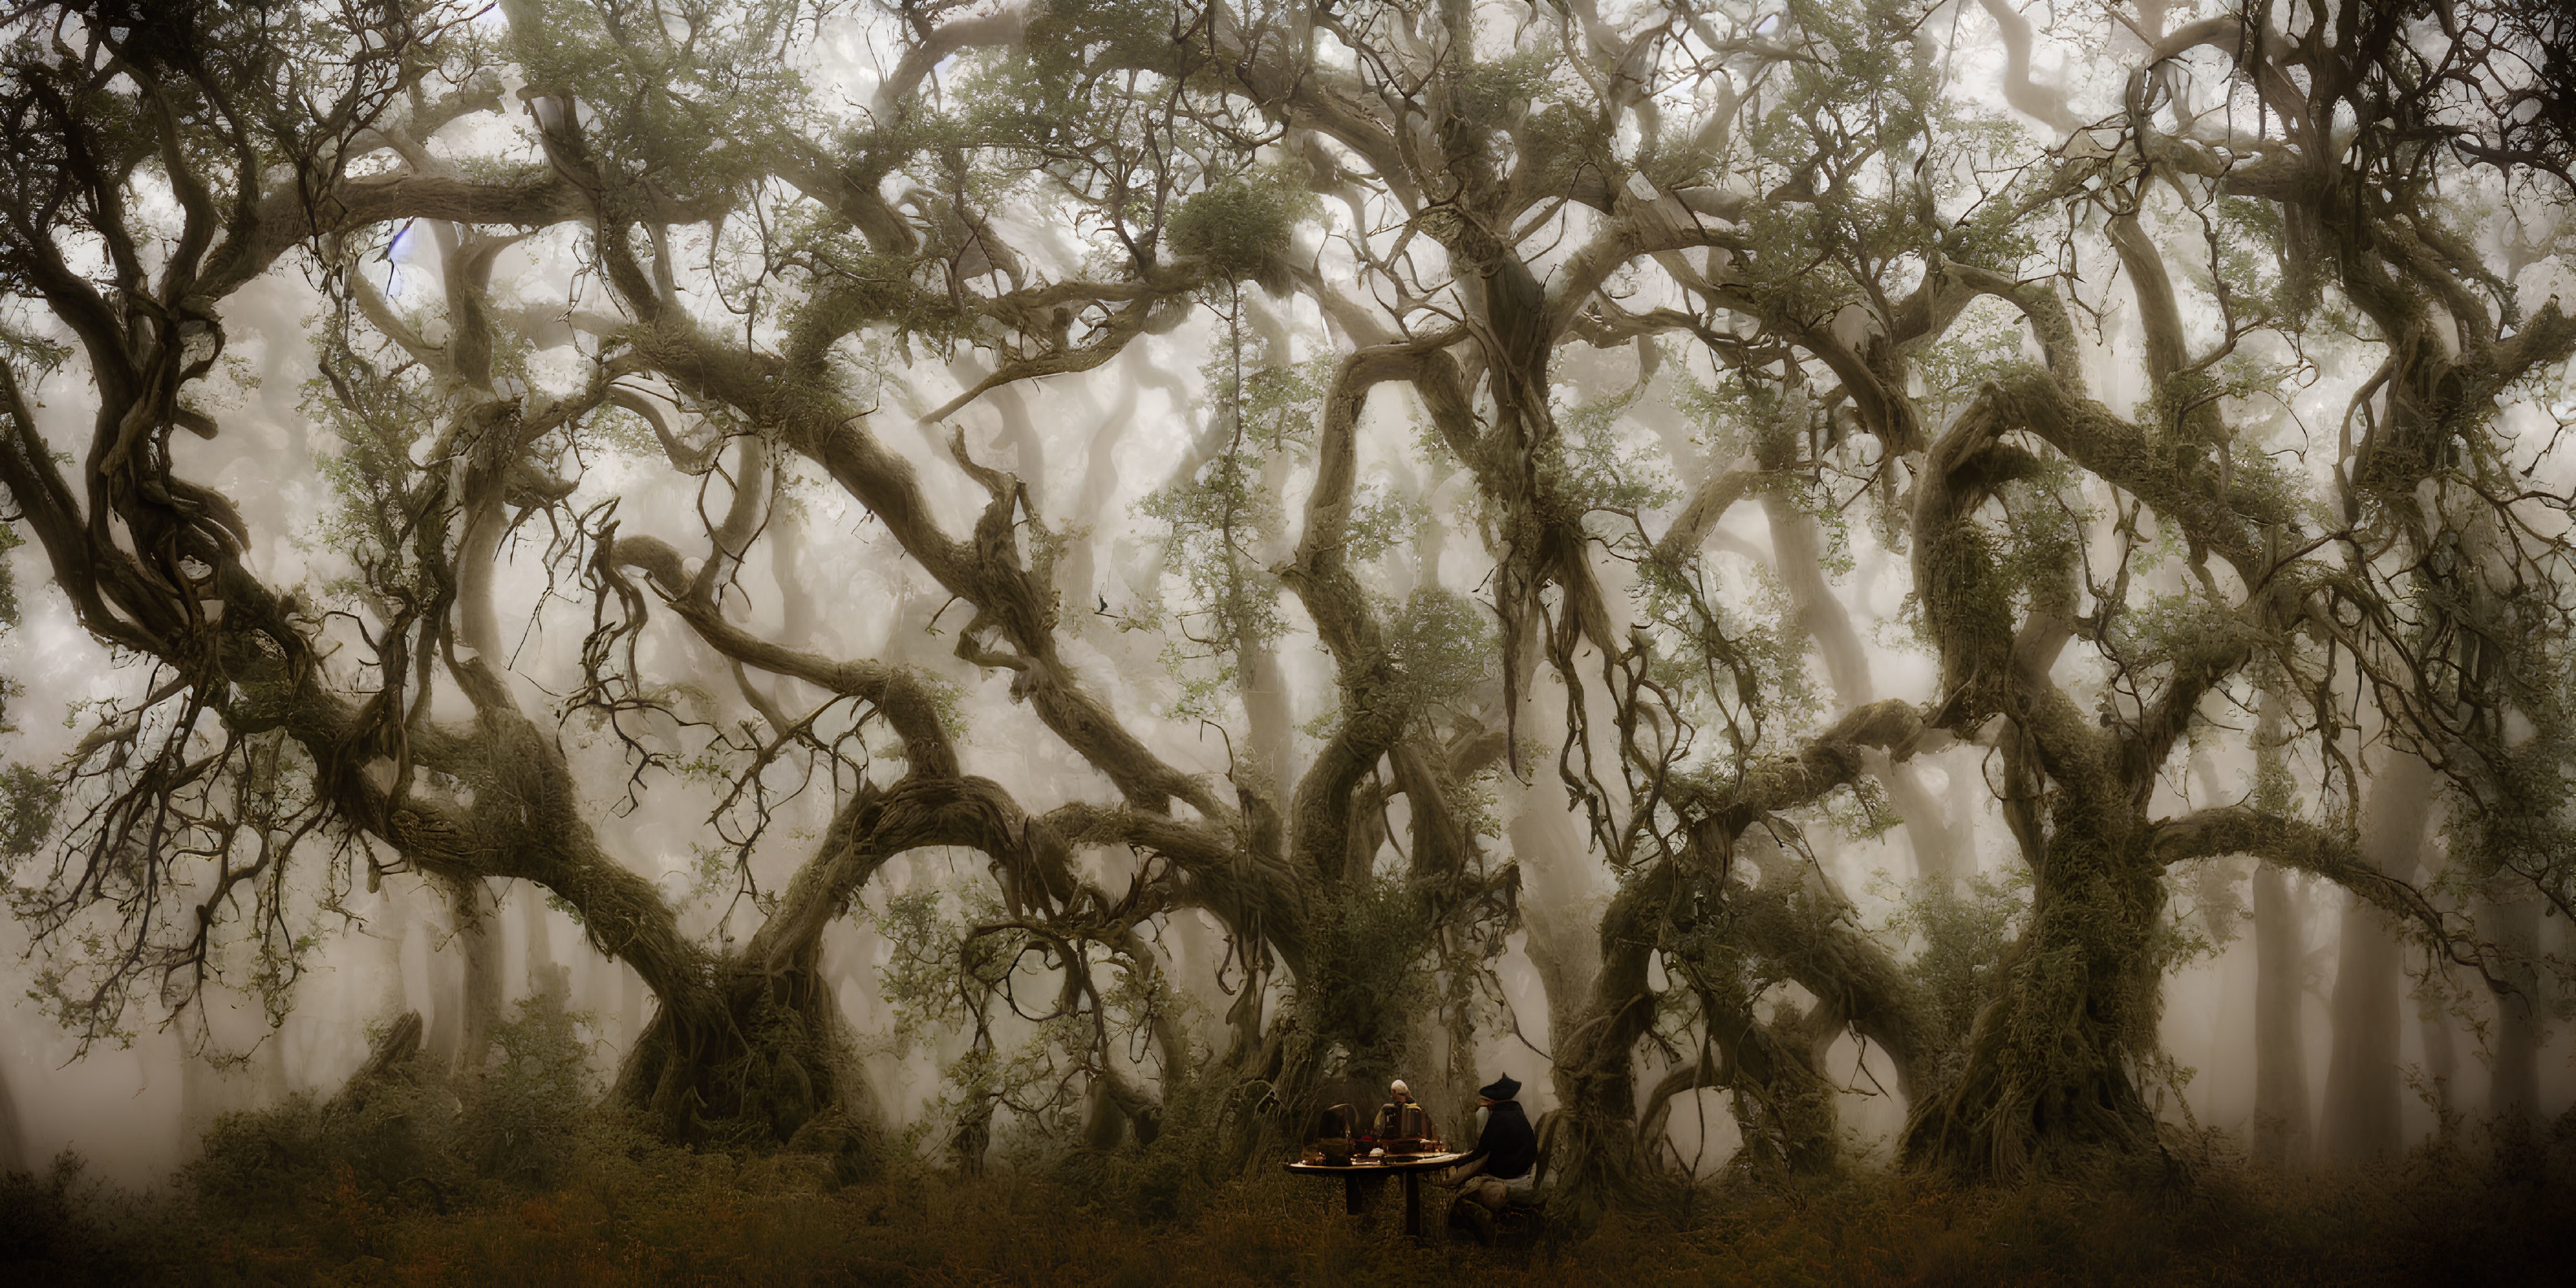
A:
(1021, 436)
(2280, 1055)
(2513, 1090)
(1265, 707)
(2441, 1062)
(13, 1145)
(1799, 555)
(1265, 689)
(2433, 1026)
(201, 1099)
(1562, 944)
(478, 1006)
(546, 976)
(2363, 1089)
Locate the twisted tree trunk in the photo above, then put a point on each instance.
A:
(1600, 1152)
(1597, 1155)
(2050, 1070)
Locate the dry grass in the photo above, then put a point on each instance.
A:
(669, 1218)
(429, 1182)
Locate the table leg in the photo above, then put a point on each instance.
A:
(1413, 1204)
(1351, 1194)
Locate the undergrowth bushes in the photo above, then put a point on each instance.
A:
(414, 1177)
(406, 1129)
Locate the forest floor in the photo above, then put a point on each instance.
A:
(670, 1217)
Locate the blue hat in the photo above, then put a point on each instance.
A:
(1502, 1088)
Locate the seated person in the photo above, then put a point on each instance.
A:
(1498, 1169)
(1400, 1118)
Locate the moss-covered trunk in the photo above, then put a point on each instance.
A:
(2050, 1073)
(1782, 1100)
(750, 1062)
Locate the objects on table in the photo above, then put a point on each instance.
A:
(1400, 1129)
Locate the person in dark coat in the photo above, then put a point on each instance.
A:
(1506, 1150)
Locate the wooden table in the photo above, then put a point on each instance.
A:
(1409, 1166)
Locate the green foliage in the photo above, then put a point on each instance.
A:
(1561, 142)
(63, 1229)
(1599, 465)
(2255, 264)
(1217, 519)
(1962, 936)
(1212, 521)
(1491, 95)
(1068, 43)
(1245, 227)
(1723, 632)
(1860, 812)
(683, 93)
(519, 1123)
(851, 286)
(2167, 632)
(1444, 644)
(1037, 1045)
(276, 1159)
(2041, 549)
(1984, 343)
(389, 512)
(1867, 126)
(927, 978)
(1371, 973)
(1743, 675)
(1114, 108)
(29, 801)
